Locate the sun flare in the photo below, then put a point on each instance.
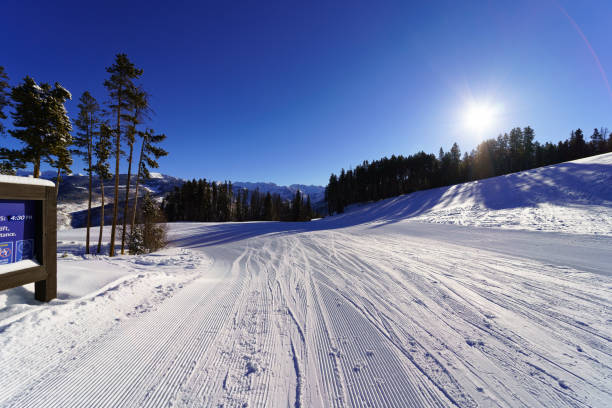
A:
(479, 117)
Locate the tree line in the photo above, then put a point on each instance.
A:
(41, 124)
(201, 200)
(508, 153)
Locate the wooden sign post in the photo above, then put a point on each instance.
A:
(28, 235)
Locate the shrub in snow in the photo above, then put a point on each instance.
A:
(149, 235)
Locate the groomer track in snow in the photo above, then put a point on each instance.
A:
(365, 309)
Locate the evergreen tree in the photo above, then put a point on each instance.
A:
(6, 168)
(245, 205)
(102, 152)
(138, 108)
(149, 154)
(597, 139)
(62, 160)
(61, 126)
(87, 124)
(9, 159)
(604, 134)
(528, 148)
(577, 144)
(41, 124)
(149, 234)
(296, 207)
(268, 210)
(4, 97)
(308, 209)
(121, 89)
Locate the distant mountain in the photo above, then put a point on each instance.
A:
(72, 199)
(316, 193)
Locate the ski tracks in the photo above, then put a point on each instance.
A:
(346, 319)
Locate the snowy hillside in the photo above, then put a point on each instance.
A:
(573, 197)
(365, 309)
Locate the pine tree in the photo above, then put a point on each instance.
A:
(577, 144)
(296, 206)
(607, 145)
(61, 128)
(150, 234)
(149, 154)
(268, 210)
(41, 124)
(308, 210)
(102, 152)
(245, 205)
(4, 97)
(139, 106)
(528, 148)
(62, 162)
(87, 124)
(597, 140)
(121, 87)
(6, 168)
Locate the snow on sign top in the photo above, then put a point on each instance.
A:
(18, 266)
(25, 180)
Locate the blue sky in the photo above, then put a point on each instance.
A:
(289, 92)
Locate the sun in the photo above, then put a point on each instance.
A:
(479, 117)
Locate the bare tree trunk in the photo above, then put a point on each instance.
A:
(57, 181)
(144, 140)
(101, 215)
(90, 171)
(127, 198)
(36, 173)
(111, 251)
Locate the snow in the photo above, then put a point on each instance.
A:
(17, 266)
(154, 175)
(573, 197)
(25, 180)
(369, 308)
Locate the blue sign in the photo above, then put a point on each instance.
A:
(17, 230)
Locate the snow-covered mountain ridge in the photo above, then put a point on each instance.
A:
(72, 199)
(71, 187)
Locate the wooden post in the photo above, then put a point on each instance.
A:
(44, 275)
(45, 290)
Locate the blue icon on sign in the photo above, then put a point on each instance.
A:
(6, 252)
(24, 249)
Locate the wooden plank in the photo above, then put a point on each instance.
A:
(10, 191)
(21, 277)
(45, 290)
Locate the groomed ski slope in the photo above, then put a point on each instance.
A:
(369, 309)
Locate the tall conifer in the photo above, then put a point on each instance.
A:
(87, 124)
(102, 152)
(138, 107)
(121, 87)
(4, 97)
(149, 154)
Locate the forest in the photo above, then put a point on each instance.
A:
(200, 200)
(45, 135)
(508, 153)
